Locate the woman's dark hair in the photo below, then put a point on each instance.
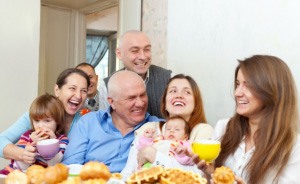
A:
(61, 79)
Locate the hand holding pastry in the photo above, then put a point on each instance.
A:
(38, 135)
(49, 133)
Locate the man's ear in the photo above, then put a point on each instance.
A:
(110, 101)
(56, 90)
(118, 53)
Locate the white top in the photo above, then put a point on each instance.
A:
(163, 159)
(239, 159)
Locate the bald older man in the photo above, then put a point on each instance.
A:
(134, 51)
(106, 136)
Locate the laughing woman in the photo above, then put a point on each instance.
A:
(260, 142)
(71, 89)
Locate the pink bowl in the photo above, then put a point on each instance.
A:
(48, 148)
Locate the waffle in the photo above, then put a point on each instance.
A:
(174, 176)
(146, 176)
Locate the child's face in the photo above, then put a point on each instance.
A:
(48, 123)
(175, 130)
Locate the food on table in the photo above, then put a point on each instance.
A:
(175, 175)
(72, 180)
(16, 177)
(146, 175)
(35, 174)
(117, 175)
(95, 170)
(223, 175)
(56, 174)
(157, 174)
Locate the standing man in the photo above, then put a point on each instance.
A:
(92, 100)
(106, 136)
(134, 51)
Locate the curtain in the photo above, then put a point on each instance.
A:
(96, 47)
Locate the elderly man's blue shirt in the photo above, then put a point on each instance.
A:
(95, 138)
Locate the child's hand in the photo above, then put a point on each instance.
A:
(49, 132)
(39, 135)
(149, 132)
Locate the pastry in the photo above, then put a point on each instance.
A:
(16, 177)
(72, 180)
(117, 176)
(56, 174)
(95, 181)
(146, 175)
(35, 174)
(175, 175)
(46, 136)
(223, 175)
(94, 170)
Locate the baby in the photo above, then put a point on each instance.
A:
(176, 134)
(47, 121)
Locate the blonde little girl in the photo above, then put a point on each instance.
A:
(47, 121)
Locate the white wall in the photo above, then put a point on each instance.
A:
(205, 39)
(19, 51)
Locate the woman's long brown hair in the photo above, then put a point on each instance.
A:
(198, 115)
(270, 80)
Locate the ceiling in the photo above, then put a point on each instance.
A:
(73, 4)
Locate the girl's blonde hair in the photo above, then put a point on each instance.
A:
(48, 106)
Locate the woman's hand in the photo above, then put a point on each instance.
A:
(29, 154)
(146, 154)
(207, 169)
(239, 180)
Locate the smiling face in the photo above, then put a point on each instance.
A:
(246, 103)
(135, 52)
(128, 99)
(92, 90)
(175, 130)
(180, 99)
(73, 93)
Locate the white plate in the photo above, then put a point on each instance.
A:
(74, 169)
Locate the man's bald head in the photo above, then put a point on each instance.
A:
(122, 80)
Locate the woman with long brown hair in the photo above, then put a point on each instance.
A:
(260, 143)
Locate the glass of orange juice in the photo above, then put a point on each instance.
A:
(207, 150)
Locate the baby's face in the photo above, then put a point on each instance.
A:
(175, 130)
